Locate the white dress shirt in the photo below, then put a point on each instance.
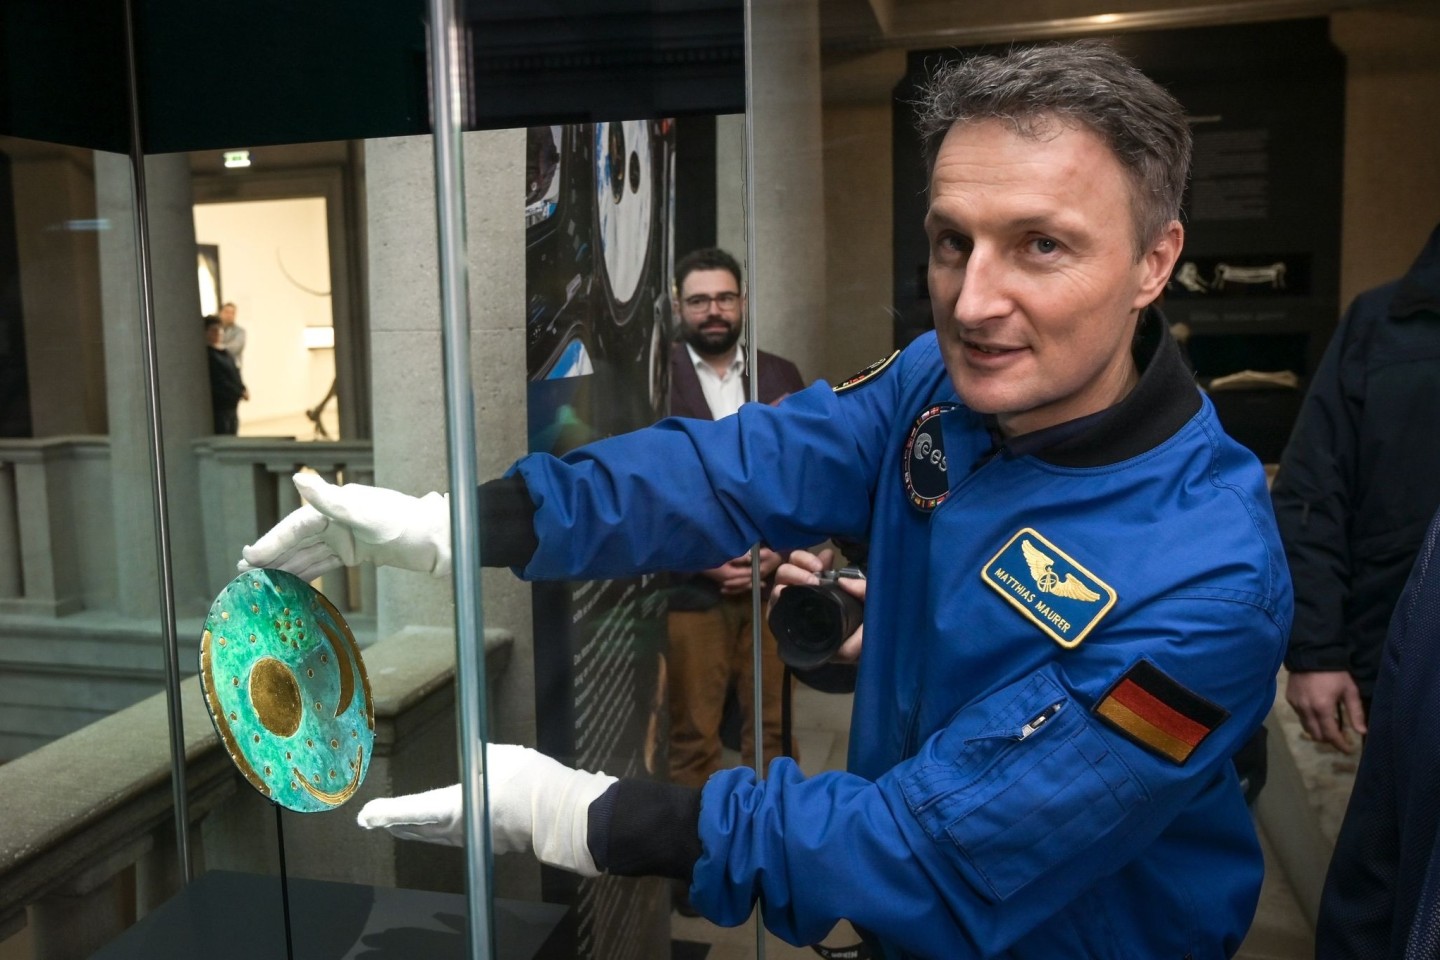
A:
(723, 394)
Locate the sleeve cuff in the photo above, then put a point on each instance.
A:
(640, 828)
(507, 523)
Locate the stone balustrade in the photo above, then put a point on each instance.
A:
(47, 494)
(246, 485)
(72, 649)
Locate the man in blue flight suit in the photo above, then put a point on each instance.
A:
(1077, 601)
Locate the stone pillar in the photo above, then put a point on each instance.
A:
(495, 228)
(184, 380)
(55, 231)
(858, 121)
(788, 268)
(408, 413)
(409, 408)
(730, 229)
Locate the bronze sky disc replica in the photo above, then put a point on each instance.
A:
(287, 690)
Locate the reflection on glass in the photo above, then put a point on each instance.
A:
(80, 636)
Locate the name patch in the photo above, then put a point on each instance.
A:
(1049, 588)
(927, 472)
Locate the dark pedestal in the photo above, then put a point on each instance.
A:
(225, 915)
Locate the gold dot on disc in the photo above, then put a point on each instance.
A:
(254, 608)
(224, 614)
(287, 611)
(334, 744)
(310, 743)
(294, 785)
(257, 738)
(222, 641)
(309, 673)
(267, 771)
(332, 774)
(252, 638)
(287, 754)
(324, 658)
(234, 681)
(275, 696)
(233, 716)
(318, 707)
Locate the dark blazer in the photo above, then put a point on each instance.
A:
(1382, 893)
(778, 378)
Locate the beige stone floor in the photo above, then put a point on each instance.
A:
(1280, 931)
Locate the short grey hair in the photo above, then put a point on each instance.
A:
(1082, 83)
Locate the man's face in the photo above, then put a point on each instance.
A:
(1033, 278)
(227, 314)
(214, 334)
(712, 311)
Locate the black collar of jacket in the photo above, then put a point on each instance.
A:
(1162, 402)
(1419, 290)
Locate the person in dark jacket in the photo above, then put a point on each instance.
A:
(1355, 489)
(1382, 892)
(226, 387)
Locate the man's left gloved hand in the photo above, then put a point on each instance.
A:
(535, 803)
(352, 524)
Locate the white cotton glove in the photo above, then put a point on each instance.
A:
(353, 524)
(535, 803)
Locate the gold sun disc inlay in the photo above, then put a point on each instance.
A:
(276, 697)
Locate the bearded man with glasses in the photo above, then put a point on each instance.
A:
(709, 619)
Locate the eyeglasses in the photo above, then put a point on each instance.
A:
(700, 302)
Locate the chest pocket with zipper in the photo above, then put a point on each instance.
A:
(1019, 783)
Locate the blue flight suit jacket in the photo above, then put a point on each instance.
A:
(1060, 659)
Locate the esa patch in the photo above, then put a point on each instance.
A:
(1158, 713)
(1049, 589)
(927, 476)
(866, 375)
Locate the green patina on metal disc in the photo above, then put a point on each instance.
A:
(287, 690)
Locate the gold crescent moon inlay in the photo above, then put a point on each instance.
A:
(342, 666)
(348, 653)
(338, 797)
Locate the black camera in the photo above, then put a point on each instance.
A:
(811, 621)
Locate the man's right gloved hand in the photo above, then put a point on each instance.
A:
(536, 803)
(351, 524)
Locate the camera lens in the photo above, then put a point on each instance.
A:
(811, 622)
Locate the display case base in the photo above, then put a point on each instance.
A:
(224, 915)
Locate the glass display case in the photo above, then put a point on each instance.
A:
(408, 245)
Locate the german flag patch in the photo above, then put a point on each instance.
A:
(1159, 714)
